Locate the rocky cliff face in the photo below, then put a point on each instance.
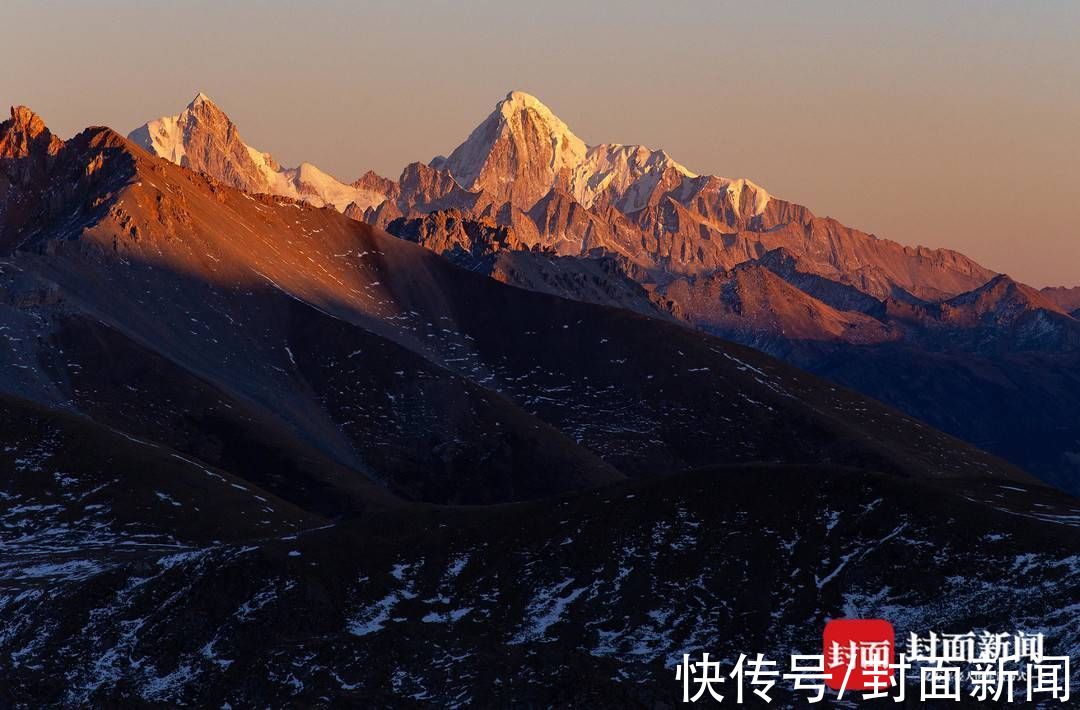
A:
(27, 151)
(452, 234)
(25, 135)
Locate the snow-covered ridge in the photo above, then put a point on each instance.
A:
(629, 171)
(315, 186)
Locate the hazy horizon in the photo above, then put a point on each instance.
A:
(946, 125)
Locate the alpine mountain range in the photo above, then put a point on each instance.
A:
(524, 200)
(535, 409)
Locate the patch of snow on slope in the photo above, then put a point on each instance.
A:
(546, 609)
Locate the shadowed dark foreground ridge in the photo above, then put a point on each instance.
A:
(604, 588)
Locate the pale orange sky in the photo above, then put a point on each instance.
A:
(946, 124)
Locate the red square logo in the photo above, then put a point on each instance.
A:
(858, 653)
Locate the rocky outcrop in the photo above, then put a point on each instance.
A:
(25, 135)
(27, 152)
(453, 234)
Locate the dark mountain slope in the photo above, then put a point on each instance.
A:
(605, 589)
(71, 485)
(996, 366)
(1024, 407)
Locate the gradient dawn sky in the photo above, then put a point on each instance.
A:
(943, 123)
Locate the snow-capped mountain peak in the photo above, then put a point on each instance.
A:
(522, 150)
(203, 138)
(569, 149)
